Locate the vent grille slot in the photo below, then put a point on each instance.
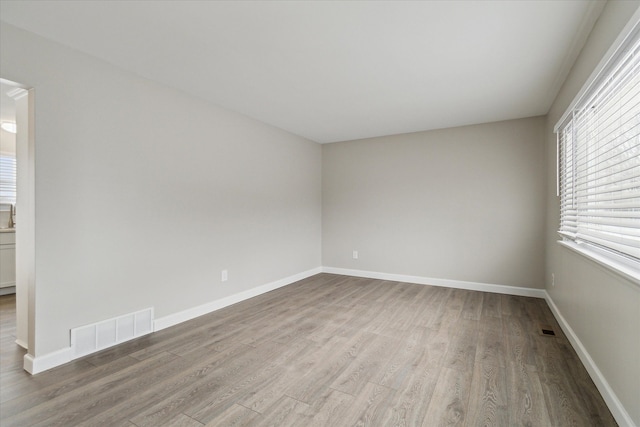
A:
(547, 330)
(98, 336)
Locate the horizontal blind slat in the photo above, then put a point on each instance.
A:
(599, 160)
(7, 179)
(632, 249)
(612, 222)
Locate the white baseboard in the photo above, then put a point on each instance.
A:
(22, 344)
(458, 284)
(191, 313)
(615, 406)
(613, 403)
(35, 365)
(39, 364)
(8, 290)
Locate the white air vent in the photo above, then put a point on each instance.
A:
(97, 336)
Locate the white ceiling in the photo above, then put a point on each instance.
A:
(335, 70)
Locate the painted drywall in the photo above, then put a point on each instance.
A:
(144, 194)
(602, 308)
(463, 204)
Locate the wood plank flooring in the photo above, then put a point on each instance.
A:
(326, 351)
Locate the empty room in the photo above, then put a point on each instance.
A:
(320, 213)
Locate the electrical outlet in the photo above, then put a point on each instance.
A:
(355, 254)
(553, 279)
(224, 276)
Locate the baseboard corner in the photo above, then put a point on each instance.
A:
(447, 283)
(35, 365)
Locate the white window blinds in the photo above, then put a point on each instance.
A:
(599, 160)
(7, 179)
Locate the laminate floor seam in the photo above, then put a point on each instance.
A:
(256, 412)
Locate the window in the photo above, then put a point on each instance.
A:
(599, 162)
(7, 179)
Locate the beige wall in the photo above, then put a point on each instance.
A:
(144, 194)
(462, 204)
(602, 308)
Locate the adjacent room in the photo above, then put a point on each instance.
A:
(320, 213)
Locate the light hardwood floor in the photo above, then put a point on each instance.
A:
(326, 351)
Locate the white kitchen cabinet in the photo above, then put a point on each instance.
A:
(7, 259)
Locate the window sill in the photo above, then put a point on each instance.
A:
(623, 268)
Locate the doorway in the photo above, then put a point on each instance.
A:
(18, 99)
(7, 191)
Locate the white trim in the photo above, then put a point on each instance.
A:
(458, 284)
(629, 28)
(8, 290)
(16, 93)
(613, 403)
(557, 164)
(27, 363)
(21, 344)
(39, 364)
(35, 365)
(608, 261)
(191, 313)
